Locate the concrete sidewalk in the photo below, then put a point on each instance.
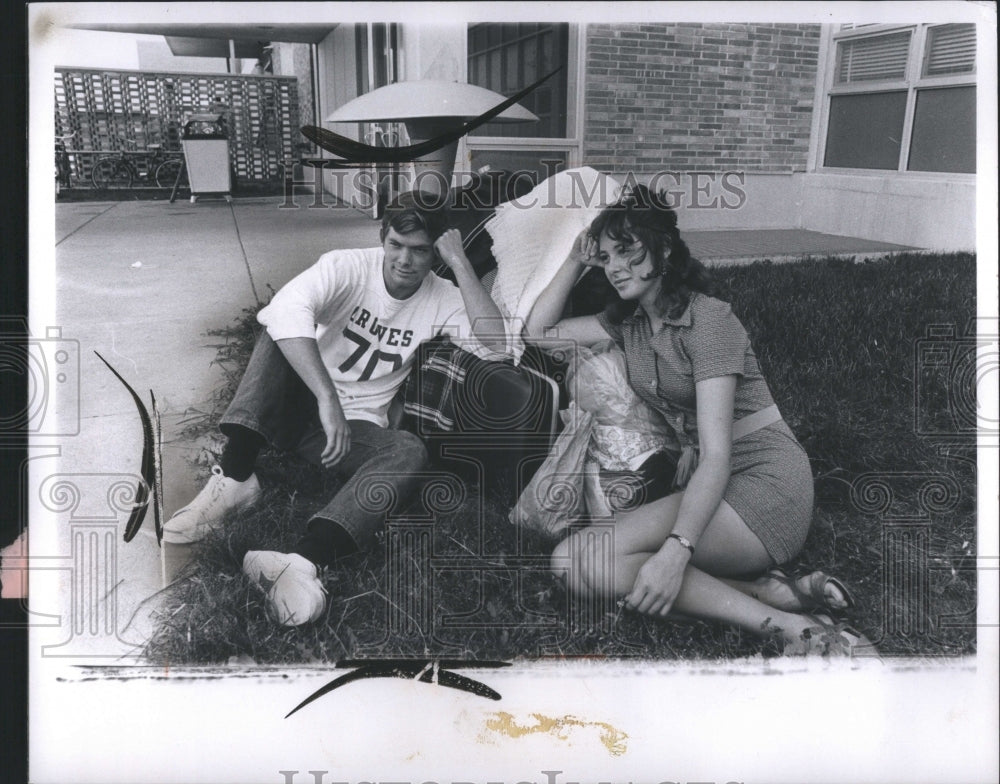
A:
(144, 282)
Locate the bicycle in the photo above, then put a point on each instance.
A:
(63, 166)
(120, 171)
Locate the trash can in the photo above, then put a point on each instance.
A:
(206, 155)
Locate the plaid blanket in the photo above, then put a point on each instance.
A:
(429, 393)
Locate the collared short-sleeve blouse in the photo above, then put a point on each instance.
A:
(770, 484)
(705, 341)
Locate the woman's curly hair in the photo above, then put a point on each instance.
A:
(644, 218)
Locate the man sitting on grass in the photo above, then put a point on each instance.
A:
(339, 342)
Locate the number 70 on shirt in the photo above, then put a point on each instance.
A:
(363, 347)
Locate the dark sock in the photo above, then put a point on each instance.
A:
(240, 452)
(325, 542)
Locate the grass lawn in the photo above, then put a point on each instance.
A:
(884, 419)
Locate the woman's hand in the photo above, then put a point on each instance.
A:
(338, 432)
(659, 581)
(449, 248)
(585, 250)
(548, 309)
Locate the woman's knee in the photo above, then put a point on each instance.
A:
(568, 563)
(728, 547)
(559, 561)
(646, 528)
(582, 560)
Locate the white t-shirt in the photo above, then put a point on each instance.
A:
(366, 337)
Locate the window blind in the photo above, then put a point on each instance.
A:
(951, 49)
(880, 57)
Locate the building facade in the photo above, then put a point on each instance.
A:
(862, 130)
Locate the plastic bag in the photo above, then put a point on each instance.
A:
(626, 430)
(554, 498)
(614, 453)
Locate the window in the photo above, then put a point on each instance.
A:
(939, 142)
(376, 47)
(507, 58)
(868, 59)
(903, 99)
(952, 49)
(865, 130)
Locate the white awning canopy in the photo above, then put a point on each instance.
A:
(285, 33)
(426, 99)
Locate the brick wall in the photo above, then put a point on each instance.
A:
(711, 97)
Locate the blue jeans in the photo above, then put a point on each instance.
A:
(380, 472)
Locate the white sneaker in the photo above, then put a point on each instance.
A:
(294, 592)
(209, 508)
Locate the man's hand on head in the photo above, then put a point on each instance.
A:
(449, 248)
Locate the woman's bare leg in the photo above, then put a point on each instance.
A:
(598, 563)
(726, 548)
(776, 594)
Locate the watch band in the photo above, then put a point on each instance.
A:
(685, 542)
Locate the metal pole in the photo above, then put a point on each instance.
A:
(371, 86)
(371, 56)
(314, 68)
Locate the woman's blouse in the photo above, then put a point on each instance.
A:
(705, 341)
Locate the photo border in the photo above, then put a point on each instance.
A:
(773, 721)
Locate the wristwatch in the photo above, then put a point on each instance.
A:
(685, 542)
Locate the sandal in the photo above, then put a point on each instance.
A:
(814, 597)
(827, 638)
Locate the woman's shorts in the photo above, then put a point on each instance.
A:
(771, 488)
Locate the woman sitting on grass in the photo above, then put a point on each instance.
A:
(744, 488)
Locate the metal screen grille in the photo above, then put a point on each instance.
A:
(130, 110)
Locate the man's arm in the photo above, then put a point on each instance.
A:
(304, 357)
(487, 322)
(291, 319)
